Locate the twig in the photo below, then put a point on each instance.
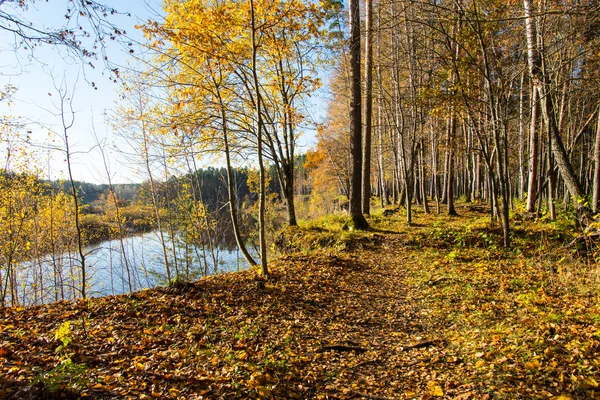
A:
(341, 347)
(583, 238)
(421, 345)
(438, 280)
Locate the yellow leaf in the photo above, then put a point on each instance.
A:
(535, 364)
(263, 391)
(256, 379)
(433, 389)
(588, 383)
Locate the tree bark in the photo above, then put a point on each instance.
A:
(596, 182)
(366, 164)
(230, 181)
(450, 165)
(259, 143)
(422, 177)
(358, 218)
(534, 149)
(384, 194)
(521, 138)
(541, 81)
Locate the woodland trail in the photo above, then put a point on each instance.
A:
(394, 316)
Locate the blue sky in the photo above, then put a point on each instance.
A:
(36, 74)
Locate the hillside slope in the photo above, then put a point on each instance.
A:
(434, 310)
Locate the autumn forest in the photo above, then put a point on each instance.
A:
(437, 238)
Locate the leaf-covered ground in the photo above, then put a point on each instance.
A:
(436, 310)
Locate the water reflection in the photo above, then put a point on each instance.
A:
(115, 267)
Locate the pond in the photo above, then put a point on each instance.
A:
(118, 267)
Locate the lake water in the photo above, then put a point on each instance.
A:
(115, 268)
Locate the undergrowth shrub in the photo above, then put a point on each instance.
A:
(66, 377)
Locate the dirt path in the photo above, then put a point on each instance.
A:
(334, 326)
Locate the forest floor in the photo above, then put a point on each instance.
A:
(434, 310)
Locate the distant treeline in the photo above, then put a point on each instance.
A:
(90, 192)
(209, 185)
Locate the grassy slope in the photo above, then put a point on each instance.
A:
(434, 310)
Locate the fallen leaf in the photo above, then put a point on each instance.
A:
(433, 389)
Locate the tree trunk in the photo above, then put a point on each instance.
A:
(384, 195)
(521, 139)
(450, 166)
(259, 140)
(153, 195)
(534, 150)
(434, 162)
(596, 182)
(358, 219)
(447, 166)
(288, 192)
(422, 179)
(541, 81)
(366, 165)
(230, 179)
